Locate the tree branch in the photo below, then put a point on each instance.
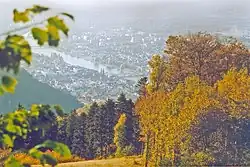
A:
(22, 28)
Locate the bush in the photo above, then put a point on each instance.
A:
(61, 159)
(26, 159)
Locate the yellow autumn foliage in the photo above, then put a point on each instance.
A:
(234, 91)
(168, 116)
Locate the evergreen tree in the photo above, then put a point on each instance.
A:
(132, 125)
(121, 105)
(78, 141)
(141, 86)
(108, 122)
(93, 133)
(70, 126)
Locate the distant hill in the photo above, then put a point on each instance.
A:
(31, 91)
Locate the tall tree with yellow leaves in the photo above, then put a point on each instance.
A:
(203, 55)
(119, 135)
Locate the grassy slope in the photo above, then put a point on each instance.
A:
(30, 91)
(116, 162)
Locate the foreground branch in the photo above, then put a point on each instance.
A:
(22, 28)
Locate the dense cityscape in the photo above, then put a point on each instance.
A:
(97, 65)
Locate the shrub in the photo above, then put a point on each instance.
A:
(61, 159)
(26, 159)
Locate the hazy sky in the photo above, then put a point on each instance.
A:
(105, 1)
(89, 2)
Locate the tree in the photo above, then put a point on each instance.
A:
(149, 109)
(190, 79)
(61, 129)
(94, 131)
(108, 123)
(121, 105)
(224, 137)
(126, 107)
(199, 54)
(132, 128)
(45, 128)
(70, 126)
(78, 141)
(233, 91)
(141, 86)
(168, 117)
(119, 137)
(199, 122)
(158, 67)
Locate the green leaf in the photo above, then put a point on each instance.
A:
(9, 84)
(7, 140)
(14, 129)
(26, 55)
(25, 131)
(12, 162)
(20, 46)
(40, 35)
(34, 111)
(38, 9)
(54, 37)
(60, 148)
(1, 90)
(59, 24)
(69, 15)
(20, 16)
(11, 127)
(36, 153)
(53, 32)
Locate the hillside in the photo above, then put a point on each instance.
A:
(30, 91)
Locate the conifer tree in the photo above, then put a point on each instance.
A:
(93, 133)
(70, 126)
(78, 140)
(108, 122)
(141, 86)
(121, 104)
(132, 124)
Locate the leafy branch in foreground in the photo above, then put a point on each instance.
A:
(15, 48)
(21, 123)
